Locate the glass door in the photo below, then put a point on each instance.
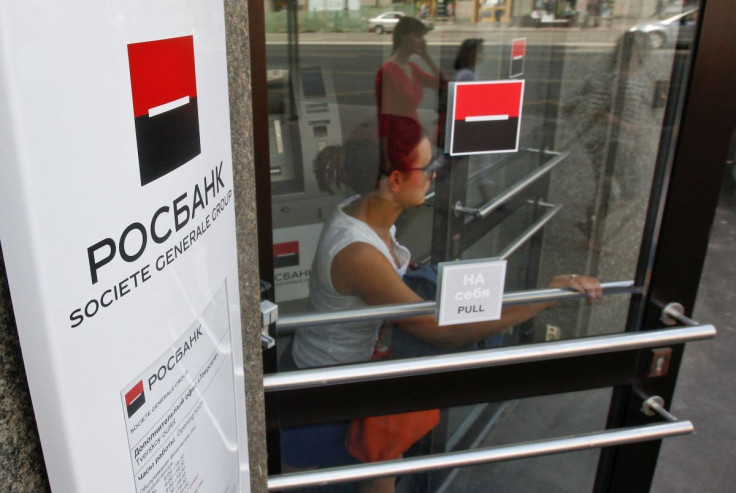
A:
(568, 185)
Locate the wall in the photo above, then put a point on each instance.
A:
(241, 124)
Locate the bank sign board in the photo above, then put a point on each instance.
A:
(118, 234)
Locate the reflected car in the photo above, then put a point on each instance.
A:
(675, 31)
(385, 22)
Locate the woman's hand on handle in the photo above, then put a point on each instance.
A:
(589, 286)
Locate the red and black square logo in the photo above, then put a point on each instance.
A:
(164, 89)
(286, 254)
(486, 117)
(518, 53)
(135, 398)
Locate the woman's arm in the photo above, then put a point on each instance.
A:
(361, 270)
(436, 78)
(433, 67)
(427, 329)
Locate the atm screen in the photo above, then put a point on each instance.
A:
(312, 82)
(320, 131)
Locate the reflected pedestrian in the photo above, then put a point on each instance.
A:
(400, 82)
(466, 59)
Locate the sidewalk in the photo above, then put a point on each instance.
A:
(706, 391)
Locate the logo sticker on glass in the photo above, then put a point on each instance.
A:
(485, 117)
(518, 54)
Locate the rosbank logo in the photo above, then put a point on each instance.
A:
(164, 90)
(135, 398)
(286, 254)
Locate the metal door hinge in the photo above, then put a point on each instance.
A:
(269, 316)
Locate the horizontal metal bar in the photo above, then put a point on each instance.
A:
(530, 231)
(504, 197)
(363, 372)
(555, 294)
(508, 157)
(461, 209)
(287, 324)
(544, 151)
(574, 443)
(521, 185)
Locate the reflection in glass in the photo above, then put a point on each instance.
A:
(486, 425)
(530, 420)
(597, 82)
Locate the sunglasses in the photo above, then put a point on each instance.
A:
(432, 168)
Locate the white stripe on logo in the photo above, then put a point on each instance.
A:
(168, 106)
(486, 118)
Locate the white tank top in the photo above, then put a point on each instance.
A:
(341, 343)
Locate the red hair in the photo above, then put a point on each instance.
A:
(398, 147)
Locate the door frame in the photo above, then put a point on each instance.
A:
(673, 267)
(678, 240)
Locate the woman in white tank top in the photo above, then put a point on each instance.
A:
(359, 262)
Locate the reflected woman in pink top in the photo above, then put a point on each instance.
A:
(400, 83)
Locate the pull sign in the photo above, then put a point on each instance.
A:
(518, 54)
(470, 291)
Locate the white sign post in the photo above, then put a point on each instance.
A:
(118, 232)
(470, 291)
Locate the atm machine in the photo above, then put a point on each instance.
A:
(303, 120)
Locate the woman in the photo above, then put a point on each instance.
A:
(467, 56)
(360, 263)
(400, 83)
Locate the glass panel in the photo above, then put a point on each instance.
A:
(530, 420)
(477, 427)
(356, 91)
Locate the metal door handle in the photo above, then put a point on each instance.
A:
(586, 441)
(544, 351)
(531, 230)
(485, 210)
(290, 323)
